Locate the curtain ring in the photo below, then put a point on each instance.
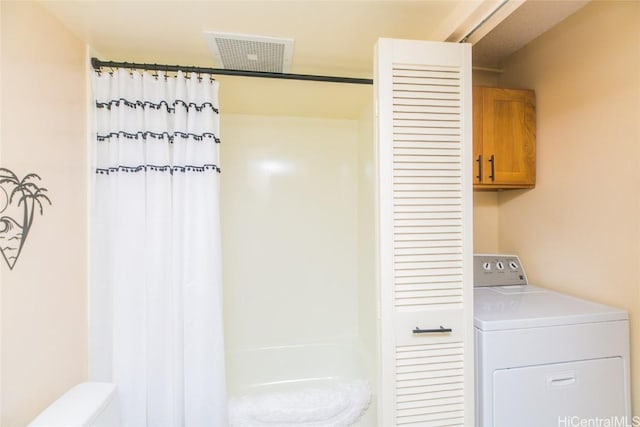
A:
(131, 69)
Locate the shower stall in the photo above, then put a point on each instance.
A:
(297, 198)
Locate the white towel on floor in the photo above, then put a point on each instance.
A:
(335, 405)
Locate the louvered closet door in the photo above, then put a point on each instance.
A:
(423, 106)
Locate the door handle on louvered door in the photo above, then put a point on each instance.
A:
(441, 329)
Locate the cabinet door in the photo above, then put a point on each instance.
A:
(508, 137)
(478, 160)
(424, 241)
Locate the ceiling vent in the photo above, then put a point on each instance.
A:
(250, 53)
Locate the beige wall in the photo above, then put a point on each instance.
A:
(485, 222)
(578, 231)
(42, 122)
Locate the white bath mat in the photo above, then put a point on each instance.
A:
(336, 405)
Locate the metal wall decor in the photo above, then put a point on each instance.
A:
(19, 199)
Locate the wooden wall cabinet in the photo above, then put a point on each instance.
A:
(504, 138)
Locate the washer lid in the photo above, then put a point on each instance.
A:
(527, 306)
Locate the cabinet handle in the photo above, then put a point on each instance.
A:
(479, 160)
(492, 160)
(431, 331)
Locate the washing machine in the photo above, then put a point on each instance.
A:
(544, 358)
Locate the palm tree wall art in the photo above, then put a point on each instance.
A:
(19, 199)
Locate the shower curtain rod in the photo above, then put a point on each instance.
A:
(97, 64)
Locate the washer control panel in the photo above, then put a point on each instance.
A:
(497, 270)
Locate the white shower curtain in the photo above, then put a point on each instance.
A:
(155, 295)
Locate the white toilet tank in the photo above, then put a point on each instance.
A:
(87, 404)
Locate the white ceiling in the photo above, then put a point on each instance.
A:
(330, 38)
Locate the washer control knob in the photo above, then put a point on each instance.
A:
(500, 265)
(513, 265)
(486, 266)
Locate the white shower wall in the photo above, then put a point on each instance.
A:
(291, 235)
(289, 205)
